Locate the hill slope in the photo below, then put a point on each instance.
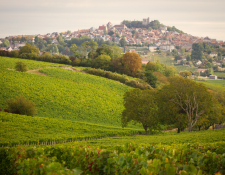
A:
(64, 94)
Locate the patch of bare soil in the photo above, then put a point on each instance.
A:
(73, 69)
(36, 71)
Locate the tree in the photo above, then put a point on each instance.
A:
(170, 71)
(102, 62)
(151, 78)
(85, 46)
(192, 99)
(140, 107)
(22, 106)
(123, 42)
(104, 50)
(5, 43)
(188, 58)
(93, 46)
(73, 49)
(196, 53)
(132, 63)
(185, 74)
(110, 33)
(20, 66)
(28, 49)
(117, 52)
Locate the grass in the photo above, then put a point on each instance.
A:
(64, 94)
(167, 60)
(185, 68)
(20, 129)
(215, 85)
(10, 63)
(207, 136)
(220, 74)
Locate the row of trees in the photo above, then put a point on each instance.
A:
(183, 103)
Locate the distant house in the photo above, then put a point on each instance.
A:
(132, 50)
(167, 47)
(213, 54)
(9, 49)
(198, 63)
(102, 28)
(153, 48)
(223, 57)
(54, 41)
(120, 27)
(202, 70)
(213, 77)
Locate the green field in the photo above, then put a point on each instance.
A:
(185, 68)
(220, 74)
(65, 94)
(215, 85)
(167, 60)
(166, 138)
(85, 110)
(19, 129)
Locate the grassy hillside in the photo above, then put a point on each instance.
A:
(64, 94)
(215, 85)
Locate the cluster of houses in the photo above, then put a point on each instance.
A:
(160, 38)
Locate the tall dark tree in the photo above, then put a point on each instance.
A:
(140, 107)
(196, 53)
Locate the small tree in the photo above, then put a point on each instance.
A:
(22, 106)
(140, 107)
(151, 78)
(20, 66)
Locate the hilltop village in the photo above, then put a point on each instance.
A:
(163, 37)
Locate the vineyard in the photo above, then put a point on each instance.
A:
(65, 94)
(77, 115)
(18, 129)
(131, 158)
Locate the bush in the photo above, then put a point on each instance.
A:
(20, 105)
(20, 66)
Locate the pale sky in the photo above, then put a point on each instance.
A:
(28, 17)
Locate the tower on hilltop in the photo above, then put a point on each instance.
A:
(146, 21)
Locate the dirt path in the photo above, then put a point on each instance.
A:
(36, 71)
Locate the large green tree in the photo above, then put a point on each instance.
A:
(140, 107)
(187, 97)
(5, 43)
(28, 49)
(102, 62)
(196, 53)
(123, 42)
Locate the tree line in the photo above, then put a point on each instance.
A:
(183, 103)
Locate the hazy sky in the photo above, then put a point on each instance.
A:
(196, 17)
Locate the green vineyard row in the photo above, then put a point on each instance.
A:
(19, 129)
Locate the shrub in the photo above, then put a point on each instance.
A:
(76, 62)
(20, 105)
(6, 110)
(20, 66)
